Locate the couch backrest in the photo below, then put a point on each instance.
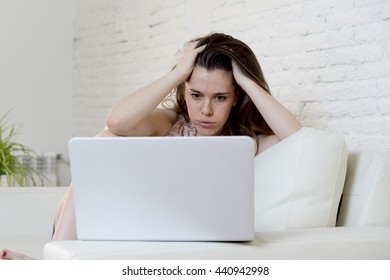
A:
(28, 212)
(299, 181)
(366, 195)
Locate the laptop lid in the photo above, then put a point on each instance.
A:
(163, 188)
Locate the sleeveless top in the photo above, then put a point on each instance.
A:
(182, 128)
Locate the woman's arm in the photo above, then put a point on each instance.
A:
(136, 113)
(280, 120)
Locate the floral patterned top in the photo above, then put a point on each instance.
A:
(182, 128)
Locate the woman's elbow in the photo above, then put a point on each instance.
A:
(114, 124)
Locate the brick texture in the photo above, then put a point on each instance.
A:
(327, 61)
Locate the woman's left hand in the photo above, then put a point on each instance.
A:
(242, 80)
(237, 73)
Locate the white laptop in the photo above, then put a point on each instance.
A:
(163, 188)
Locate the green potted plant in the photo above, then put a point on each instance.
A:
(12, 153)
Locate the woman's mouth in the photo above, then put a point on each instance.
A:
(205, 124)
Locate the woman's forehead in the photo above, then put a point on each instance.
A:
(217, 80)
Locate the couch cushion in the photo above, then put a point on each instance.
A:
(299, 181)
(366, 196)
(318, 243)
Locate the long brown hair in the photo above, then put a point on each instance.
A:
(221, 49)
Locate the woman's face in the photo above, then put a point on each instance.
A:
(209, 96)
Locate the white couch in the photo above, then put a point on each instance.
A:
(299, 184)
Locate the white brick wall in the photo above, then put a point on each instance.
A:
(328, 61)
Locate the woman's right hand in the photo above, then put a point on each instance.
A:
(187, 59)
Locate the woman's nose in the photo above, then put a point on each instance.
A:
(207, 109)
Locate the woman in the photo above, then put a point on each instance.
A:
(219, 89)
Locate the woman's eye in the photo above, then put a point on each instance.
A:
(195, 95)
(220, 98)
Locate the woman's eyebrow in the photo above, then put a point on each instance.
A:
(216, 93)
(196, 91)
